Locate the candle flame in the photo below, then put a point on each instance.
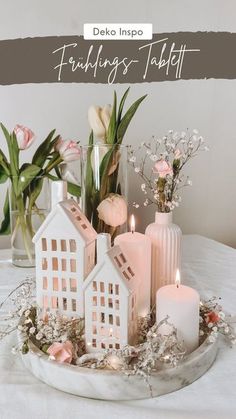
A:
(132, 223)
(177, 278)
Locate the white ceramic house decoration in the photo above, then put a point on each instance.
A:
(65, 255)
(110, 299)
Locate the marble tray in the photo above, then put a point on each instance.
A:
(113, 385)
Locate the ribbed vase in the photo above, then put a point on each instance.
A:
(166, 251)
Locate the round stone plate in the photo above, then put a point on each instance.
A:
(115, 385)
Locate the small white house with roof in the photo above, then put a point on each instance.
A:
(65, 255)
(110, 299)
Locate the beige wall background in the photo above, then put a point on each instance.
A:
(208, 207)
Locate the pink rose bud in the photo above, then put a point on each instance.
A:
(68, 150)
(61, 352)
(24, 136)
(162, 168)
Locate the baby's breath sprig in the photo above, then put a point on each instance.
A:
(163, 178)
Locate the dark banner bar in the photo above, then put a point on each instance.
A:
(71, 59)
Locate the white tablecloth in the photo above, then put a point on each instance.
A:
(208, 266)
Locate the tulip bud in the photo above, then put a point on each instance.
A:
(68, 150)
(106, 116)
(24, 136)
(95, 122)
(113, 210)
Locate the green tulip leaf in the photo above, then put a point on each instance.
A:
(44, 149)
(121, 107)
(35, 190)
(74, 189)
(111, 132)
(3, 175)
(5, 225)
(26, 177)
(125, 121)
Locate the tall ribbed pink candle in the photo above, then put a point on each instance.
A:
(181, 305)
(137, 247)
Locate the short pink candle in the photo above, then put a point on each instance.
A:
(137, 247)
(181, 304)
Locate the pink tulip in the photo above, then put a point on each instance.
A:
(68, 150)
(113, 210)
(61, 352)
(162, 168)
(24, 136)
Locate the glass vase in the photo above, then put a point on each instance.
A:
(28, 209)
(104, 187)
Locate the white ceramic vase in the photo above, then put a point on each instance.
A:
(166, 251)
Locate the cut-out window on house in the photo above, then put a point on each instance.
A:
(78, 218)
(73, 304)
(45, 283)
(117, 289)
(110, 288)
(94, 286)
(126, 275)
(64, 303)
(130, 271)
(102, 331)
(55, 283)
(63, 245)
(110, 346)
(44, 245)
(102, 287)
(54, 302)
(117, 261)
(103, 346)
(45, 301)
(44, 264)
(110, 318)
(73, 287)
(73, 209)
(94, 329)
(63, 265)
(110, 303)
(133, 302)
(72, 245)
(117, 320)
(117, 304)
(63, 284)
(102, 318)
(73, 265)
(94, 343)
(54, 245)
(54, 264)
(94, 316)
(123, 258)
(117, 346)
(95, 301)
(102, 299)
(84, 226)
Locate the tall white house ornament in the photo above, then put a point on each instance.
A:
(65, 255)
(110, 300)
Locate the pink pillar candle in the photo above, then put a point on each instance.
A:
(137, 247)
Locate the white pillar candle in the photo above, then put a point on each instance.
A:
(181, 304)
(137, 247)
